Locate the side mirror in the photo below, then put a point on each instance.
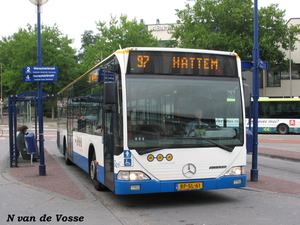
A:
(110, 93)
(110, 98)
(246, 95)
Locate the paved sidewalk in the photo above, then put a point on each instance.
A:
(268, 183)
(56, 179)
(271, 183)
(280, 154)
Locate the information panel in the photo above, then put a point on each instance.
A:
(44, 73)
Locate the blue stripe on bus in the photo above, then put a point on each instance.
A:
(60, 149)
(100, 174)
(81, 161)
(296, 130)
(152, 186)
(266, 129)
(273, 129)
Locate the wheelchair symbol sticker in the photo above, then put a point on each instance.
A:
(127, 162)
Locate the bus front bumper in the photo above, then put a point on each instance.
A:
(152, 186)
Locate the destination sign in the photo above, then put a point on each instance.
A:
(167, 63)
(41, 73)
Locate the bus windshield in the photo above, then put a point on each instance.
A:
(178, 112)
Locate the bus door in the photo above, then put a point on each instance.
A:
(110, 131)
(108, 150)
(69, 150)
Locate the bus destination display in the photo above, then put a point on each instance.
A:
(176, 63)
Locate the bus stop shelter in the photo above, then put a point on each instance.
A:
(20, 113)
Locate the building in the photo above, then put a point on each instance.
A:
(277, 82)
(161, 31)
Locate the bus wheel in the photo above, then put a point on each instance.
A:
(93, 173)
(283, 129)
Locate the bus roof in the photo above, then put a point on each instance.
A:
(266, 99)
(162, 49)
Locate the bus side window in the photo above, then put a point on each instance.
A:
(272, 110)
(298, 108)
(264, 111)
(279, 108)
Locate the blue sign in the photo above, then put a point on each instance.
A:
(127, 158)
(106, 76)
(127, 154)
(40, 73)
(127, 162)
(248, 65)
(260, 64)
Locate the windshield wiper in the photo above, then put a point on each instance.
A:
(229, 149)
(142, 152)
(224, 147)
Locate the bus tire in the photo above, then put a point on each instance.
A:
(93, 174)
(283, 129)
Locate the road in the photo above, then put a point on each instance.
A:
(226, 206)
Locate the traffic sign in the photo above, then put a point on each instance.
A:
(40, 73)
(248, 65)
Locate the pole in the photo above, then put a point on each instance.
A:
(290, 56)
(42, 168)
(254, 170)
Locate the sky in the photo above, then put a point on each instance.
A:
(73, 17)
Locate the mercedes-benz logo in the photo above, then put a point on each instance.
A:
(189, 170)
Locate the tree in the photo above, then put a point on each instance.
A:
(119, 33)
(20, 50)
(88, 39)
(228, 25)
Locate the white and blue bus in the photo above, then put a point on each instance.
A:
(125, 121)
(278, 115)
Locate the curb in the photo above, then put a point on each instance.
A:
(280, 157)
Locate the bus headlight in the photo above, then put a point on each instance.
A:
(132, 175)
(236, 170)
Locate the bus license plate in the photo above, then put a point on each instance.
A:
(189, 186)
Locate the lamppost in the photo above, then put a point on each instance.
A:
(42, 168)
